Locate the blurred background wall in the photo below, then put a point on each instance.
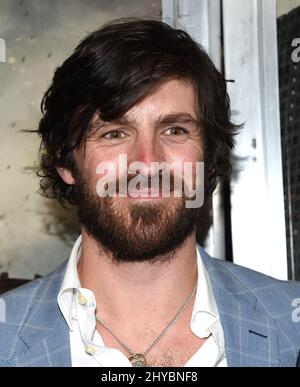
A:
(35, 233)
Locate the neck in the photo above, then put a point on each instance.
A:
(138, 291)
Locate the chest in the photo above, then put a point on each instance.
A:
(175, 354)
(171, 351)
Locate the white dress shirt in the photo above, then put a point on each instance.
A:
(78, 306)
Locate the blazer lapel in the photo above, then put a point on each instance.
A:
(250, 335)
(45, 331)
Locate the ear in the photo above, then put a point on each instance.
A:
(66, 175)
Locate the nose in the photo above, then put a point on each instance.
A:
(147, 150)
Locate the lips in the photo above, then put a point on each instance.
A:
(148, 194)
(145, 194)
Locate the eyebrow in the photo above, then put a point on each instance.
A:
(183, 118)
(162, 120)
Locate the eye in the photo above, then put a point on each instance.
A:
(114, 135)
(176, 130)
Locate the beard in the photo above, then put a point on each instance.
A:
(132, 231)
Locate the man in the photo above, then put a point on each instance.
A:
(137, 289)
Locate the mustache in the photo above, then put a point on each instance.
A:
(158, 182)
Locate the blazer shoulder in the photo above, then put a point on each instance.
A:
(278, 297)
(29, 290)
(257, 279)
(18, 304)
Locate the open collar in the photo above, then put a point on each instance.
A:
(250, 336)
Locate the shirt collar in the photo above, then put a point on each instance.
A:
(204, 315)
(205, 312)
(70, 284)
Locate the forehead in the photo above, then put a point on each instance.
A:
(173, 100)
(171, 96)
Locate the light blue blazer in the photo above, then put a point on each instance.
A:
(256, 313)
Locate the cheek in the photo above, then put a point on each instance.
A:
(98, 169)
(185, 154)
(191, 156)
(87, 166)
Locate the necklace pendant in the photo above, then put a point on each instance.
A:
(138, 360)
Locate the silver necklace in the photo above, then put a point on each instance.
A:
(139, 359)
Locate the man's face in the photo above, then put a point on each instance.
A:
(163, 127)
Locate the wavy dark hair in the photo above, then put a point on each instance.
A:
(113, 69)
